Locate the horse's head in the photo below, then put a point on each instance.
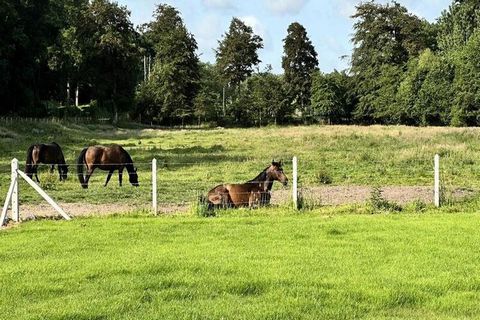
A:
(133, 177)
(275, 172)
(63, 172)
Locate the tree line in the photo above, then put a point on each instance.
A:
(80, 57)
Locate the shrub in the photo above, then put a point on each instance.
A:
(379, 204)
(323, 177)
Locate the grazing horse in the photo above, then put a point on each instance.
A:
(106, 158)
(50, 154)
(253, 193)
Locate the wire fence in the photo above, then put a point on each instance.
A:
(179, 184)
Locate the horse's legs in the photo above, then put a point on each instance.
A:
(52, 167)
(89, 174)
(34, 169)
(120, 175)
(108, 177)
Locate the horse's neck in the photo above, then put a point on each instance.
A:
(263, 180)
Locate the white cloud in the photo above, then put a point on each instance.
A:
(218, 4)
(285, 6)
(207, 32)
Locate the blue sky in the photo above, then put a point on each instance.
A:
(328, 23)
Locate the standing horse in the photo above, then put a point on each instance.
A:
(106, 158)
(50, 154)
(255, 192)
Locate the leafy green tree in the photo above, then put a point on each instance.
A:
(237, 53)
(208, 101)
(425, 95)
(173, 83)
(299, 61)
(268, 98)
(332, 97)
(457, 24)
(385, 38)
(466, 107)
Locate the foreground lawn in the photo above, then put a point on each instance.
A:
(265, 264)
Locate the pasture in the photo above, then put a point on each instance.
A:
(335, 262)
(193, 161)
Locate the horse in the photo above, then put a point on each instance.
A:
(253, 193)
(50, 154)
(109, 159)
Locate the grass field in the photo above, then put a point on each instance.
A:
(192, 161)
(243, 265)
(327, 262)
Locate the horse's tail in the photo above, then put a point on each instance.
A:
(80, 162)
(29, 162)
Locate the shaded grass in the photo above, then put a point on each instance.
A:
(260, 264)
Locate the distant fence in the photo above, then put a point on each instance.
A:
(166, 185)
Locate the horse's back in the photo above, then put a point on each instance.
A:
(108, 155)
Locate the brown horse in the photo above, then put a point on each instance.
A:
(253, 193)
(50, 154)
(106, 158)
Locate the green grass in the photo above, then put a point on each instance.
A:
(261, 264)
(193, 161)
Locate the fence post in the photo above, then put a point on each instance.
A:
(436, 193)
(154, 186)
(15, 205)
(294, 183)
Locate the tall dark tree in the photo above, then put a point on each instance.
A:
(237, 53)
(26, 32)
(385, 38)
(111, 53)
(299, 61)
(169, 93)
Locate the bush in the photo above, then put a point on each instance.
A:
(379, 204)
(201, 207)
(323, 177)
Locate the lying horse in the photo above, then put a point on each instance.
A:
(106, 158)
(50, 154)
(253, 193)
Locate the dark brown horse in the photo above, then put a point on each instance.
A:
(50, 154)
(253, 193)
(106, 158)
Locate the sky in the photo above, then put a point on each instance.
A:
(328, 23)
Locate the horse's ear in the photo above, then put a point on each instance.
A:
(273, 161)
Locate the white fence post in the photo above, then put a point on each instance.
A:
(15, 205)
(436, 193)
(294, 183)
(154, 186)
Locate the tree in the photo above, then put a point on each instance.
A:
(299, 61)
(174, 80)
(110, 50)
(425, 95)
(466, 106)
(237, 53)
(457, 24)
(268, 98)
(332, 99)
(385, 38)
(208, 101)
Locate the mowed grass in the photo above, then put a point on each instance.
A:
(265, 264)
(193, 161)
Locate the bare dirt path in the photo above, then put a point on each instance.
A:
(325, 195)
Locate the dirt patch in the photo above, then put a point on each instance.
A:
(326, 195)
(338, 195)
